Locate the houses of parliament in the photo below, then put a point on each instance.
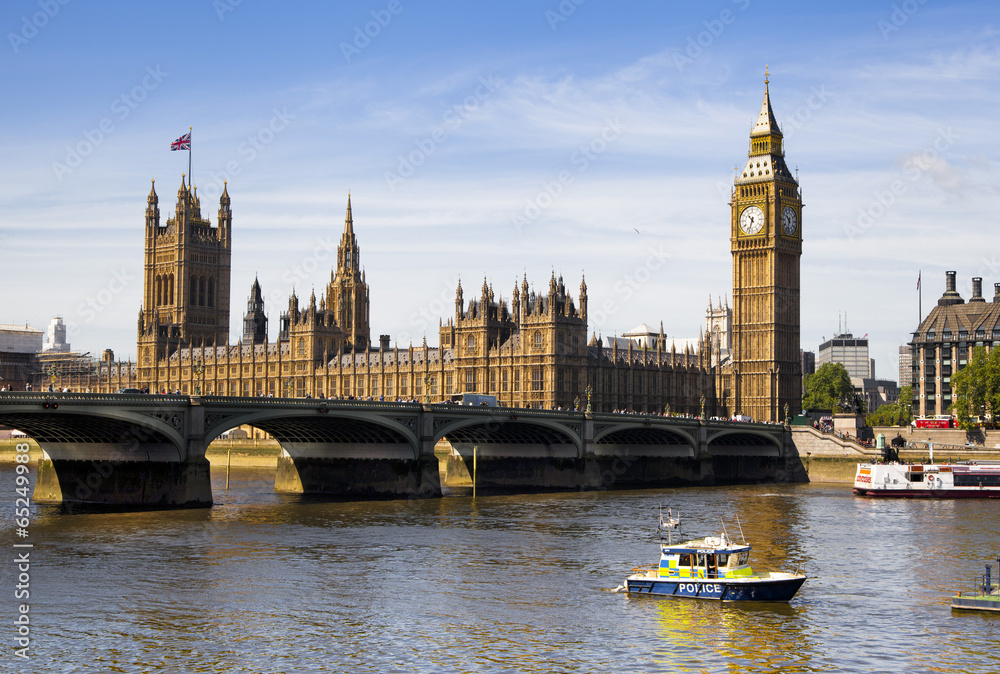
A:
(531, 352)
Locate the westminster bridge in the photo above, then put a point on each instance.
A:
(148, 451)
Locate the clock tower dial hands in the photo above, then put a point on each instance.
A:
(752, 220)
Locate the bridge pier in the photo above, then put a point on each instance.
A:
(124, 484)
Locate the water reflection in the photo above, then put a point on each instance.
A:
(758, 634)
(503, 583)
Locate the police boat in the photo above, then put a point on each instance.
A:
(714, 567)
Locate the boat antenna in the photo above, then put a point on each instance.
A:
(740, 525)
(668, 524)
(724, 532)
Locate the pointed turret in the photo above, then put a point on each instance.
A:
(766, 124)
(152, 207)
(349, 219)
(583, 296)
(255, 321)
(766, 157)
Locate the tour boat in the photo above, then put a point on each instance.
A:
(986, 598)
(714, 567)
(964, 479)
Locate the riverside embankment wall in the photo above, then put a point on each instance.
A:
(828, 458)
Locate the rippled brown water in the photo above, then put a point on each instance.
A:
(264, 583)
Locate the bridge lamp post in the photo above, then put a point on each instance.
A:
(197, 369)
(590, 391)
(427, 388)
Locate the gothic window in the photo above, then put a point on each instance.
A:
(302, 347)
(503, 381)
(194, 290)
(403, 388)
(470, 381)
(201, 291)
(538, 339)
(211, 291)
(517, 380)
(536, 379)
(472, 342)
(434, 386)
(449, 384)
(170, 289)
(158, 293)
(373, 386)
(493, 381)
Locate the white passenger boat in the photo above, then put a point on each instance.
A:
(964, 479)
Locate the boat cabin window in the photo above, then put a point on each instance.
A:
(685, 559)
(723, 559)
(744, 558)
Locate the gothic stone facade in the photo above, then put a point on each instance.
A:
(532, 351)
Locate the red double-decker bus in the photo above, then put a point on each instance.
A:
(939, 421)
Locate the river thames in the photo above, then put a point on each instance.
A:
(269, 583)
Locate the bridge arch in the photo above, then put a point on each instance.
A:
(509, 429)
(743, 441)
(122, 433)
(318, 424)
(644, 434)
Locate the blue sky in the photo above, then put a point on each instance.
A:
(497, 139)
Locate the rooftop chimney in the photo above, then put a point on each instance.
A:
(996, 292)
(383, 343)
(951, 295)
(977, 290)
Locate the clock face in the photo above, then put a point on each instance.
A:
(788, 220)
(752, 220)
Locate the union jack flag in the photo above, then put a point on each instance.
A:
(182, 143)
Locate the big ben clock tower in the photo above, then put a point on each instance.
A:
(766, 242)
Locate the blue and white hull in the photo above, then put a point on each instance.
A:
(776, 587)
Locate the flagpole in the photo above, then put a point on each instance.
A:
(920, 298)
(189, 157)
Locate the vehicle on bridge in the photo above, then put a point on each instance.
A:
(480, 399)
(714, 567)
